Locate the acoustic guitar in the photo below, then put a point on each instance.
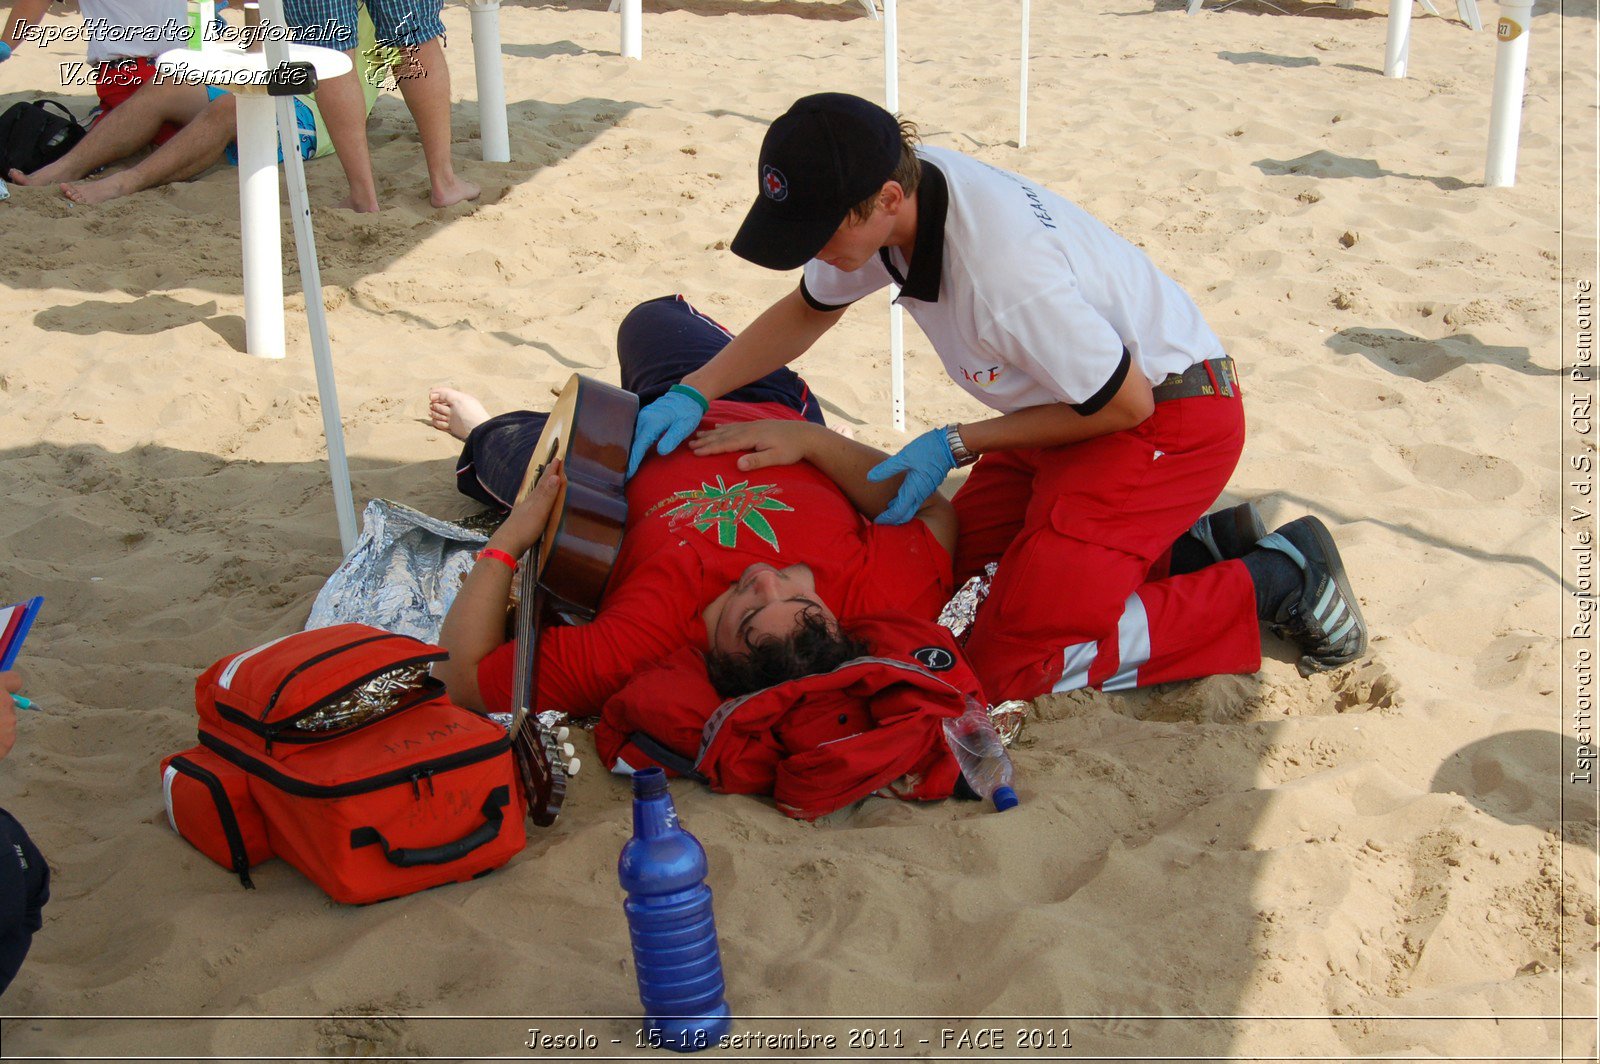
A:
(590, 430)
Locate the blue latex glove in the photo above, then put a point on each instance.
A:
(925, 461)
(669, 419)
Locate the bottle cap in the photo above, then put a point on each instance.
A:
(1004, 798)
(649, 782)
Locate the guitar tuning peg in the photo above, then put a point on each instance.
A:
(573, 766)
(562, 733)
(567, 750)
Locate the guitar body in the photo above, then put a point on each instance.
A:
(590, 429)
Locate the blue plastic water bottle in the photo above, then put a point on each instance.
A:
(663, 869)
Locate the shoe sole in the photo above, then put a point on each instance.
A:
(1341, 580)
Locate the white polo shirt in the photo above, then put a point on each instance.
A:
(1027, 298)
(126, 29)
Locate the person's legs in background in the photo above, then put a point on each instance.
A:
(123, 131)
(341, 100)
(198, 146)
(424, 80)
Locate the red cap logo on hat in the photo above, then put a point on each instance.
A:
(773, 185)
(819, 159)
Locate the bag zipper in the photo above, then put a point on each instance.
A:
(283, 685)
(412, 774)
(273, 733)
(230, 823)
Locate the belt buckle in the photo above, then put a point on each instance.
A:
(1227, 377)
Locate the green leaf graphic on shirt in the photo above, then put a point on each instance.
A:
(727, 508)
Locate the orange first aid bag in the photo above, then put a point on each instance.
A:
(422, 794)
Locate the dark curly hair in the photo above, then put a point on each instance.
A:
(814, 647)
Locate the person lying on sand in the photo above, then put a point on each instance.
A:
(205, 123)
(761, 567)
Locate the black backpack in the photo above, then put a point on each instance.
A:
(32, 135)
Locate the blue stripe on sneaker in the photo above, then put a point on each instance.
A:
(1273, 541)
(1320, 610)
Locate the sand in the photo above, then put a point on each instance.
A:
(1336, 865)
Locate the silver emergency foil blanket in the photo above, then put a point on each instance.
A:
(958, 613)
(402, 575)
(1008, 718)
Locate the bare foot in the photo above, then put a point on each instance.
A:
(45, 175)
(89, 193)
(350, 203)
(455, 412)
(456, 190)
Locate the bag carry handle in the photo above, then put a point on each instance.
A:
(446, 852)
(59, 106)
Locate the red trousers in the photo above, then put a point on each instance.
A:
(1082, 534)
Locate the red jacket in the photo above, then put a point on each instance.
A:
(815, 744)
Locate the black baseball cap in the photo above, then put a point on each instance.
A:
(820, 158)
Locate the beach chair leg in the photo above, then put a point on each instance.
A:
(616, 5)
(1195, 5)
(1468, 10)
(1427, 5)
(872, 9)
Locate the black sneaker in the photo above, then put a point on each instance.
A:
(1324, 619)
(1219, 536)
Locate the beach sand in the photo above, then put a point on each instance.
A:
(1346, 861)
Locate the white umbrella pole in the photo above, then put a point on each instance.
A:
(1510, 78)
(493, 133)
(897, 361)
(258, 231)
(632, 29)
(1022, 135)
(891, 103)
(311, 287)
(891, 57)
(1398, 45)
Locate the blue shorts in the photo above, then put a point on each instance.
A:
(302, 119)
(332, 23)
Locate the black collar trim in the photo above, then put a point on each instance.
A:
(927, 255)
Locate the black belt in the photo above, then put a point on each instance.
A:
(1215, 376)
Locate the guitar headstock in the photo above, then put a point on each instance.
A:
(545, 760)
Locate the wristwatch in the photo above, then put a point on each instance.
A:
(958, 449)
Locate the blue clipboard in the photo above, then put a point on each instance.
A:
(17, 631)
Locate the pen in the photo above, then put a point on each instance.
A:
(23, 703)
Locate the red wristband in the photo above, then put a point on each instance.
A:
(499, 556)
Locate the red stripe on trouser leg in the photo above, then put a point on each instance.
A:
(1095, 517)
